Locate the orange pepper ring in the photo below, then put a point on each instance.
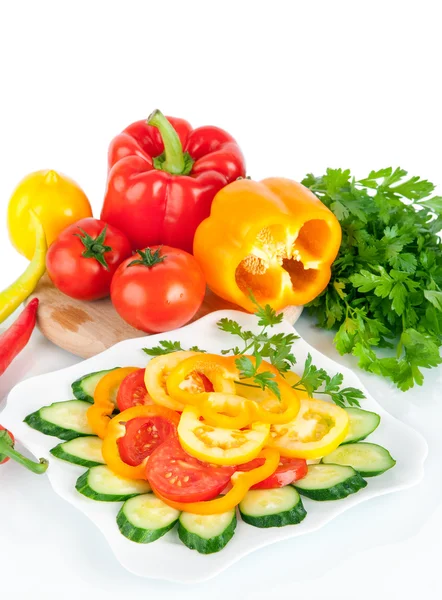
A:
(216, 368)
(99, 414)
(117, 429)
(240, 487)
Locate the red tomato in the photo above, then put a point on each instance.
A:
(181, 477)
(83, 259)
(13, 440)
(288, 471)
(160, 289)
(132, 391)
(143, 436)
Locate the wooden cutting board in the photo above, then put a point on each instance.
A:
(87, 328)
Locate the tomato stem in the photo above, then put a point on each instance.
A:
(95, 247)
(149, 259)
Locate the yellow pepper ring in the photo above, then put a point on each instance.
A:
(242, 482)
(220, 372)
(227, 410)
(99, 414)
(156, 375)
(317, 430)
(218, 445)
(290, 401)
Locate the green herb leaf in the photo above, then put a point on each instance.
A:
(266, 379)
(386, 284)
(245, 367)
(434, 297)
(317, 381)
(166, 347)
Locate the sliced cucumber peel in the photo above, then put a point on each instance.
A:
(367, 459)
(272, 508)
(146, 518)
(330, 482)
(207, 533)
(362, 424)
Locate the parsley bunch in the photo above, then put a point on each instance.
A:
(386, 284)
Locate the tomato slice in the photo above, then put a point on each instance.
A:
(143, 436)
(180, 477)
(132, 391)
(288, 471)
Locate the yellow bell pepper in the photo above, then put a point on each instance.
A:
(218, 445)
(56, 200)
(218, 369)
(16, 293)
(99, 414)
(242, 482)
(274, 238)
(318, 429)
(116, 429)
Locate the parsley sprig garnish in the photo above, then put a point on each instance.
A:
(276, 349)
(166, 347)
(317, 381)
(386, 285)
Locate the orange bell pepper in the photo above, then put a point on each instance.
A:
(99, 414)
(242, 482)
(274, 238)
(116, 429)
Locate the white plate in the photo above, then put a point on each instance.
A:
(167, 558)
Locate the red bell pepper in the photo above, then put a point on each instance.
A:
(7, 451)
(163, 177)
(15, 338)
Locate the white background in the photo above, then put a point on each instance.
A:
(302, 86)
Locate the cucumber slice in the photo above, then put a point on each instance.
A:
(367, 459)
(65, 420)
(83, 451)
(362, 423)
(330, 482)
(207, 533)
(84, 388)
(100, 483)
(272, 508)
(146, 518)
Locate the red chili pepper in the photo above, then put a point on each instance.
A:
(7, 451)
(15, 338)
(163, 177)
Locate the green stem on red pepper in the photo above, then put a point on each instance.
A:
(7, 451)
(173, 160)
